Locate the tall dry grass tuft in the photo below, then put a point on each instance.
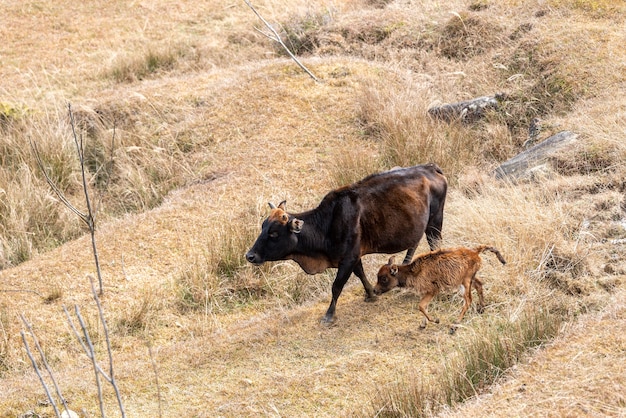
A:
(352, 166)
(299, 32)
(479, 361)
(396, 115)
(31, 219)
(485, 358)
(527, 224)
(149, 63)
(220, 280)
(466, 35)
(5, 341)
(125, 172)
(138, 316)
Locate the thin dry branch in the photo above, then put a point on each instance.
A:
(92, 356)
(82, 216)
(156, 376)
(44, 360)
(276, 38)
(111, 378)
(88, 218)
(37, 371)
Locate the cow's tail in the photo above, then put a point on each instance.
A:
(494, 250)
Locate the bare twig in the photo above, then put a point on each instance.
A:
(55, 189)
(41, 380)
(276, 38)
(156, 375)
(92, 356)
(44, 360)
(85, 340)
(88, 218)
(111, 379)
(82, 343)
(91, 221)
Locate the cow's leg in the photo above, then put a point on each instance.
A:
(409, 255)
(369, 289)
(433, 229)
(343, 274)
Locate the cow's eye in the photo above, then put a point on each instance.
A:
(273, 235)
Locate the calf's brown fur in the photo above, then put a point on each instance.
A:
(435, 271)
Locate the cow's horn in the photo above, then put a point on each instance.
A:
(271, 205)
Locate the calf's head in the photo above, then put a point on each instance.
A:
(278, 237)
(387, 277)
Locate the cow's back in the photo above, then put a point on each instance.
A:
(393, 207)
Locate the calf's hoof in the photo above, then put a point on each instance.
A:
(436, 320)
(453, 329)
(480, 309)
(371, 298)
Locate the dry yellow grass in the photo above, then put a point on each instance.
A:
(588, 358)
(256, 129)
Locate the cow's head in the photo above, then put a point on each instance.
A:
(387, 277)
(278, 238)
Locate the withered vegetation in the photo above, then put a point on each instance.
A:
(193, 121)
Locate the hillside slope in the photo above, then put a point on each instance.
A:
(195, 330)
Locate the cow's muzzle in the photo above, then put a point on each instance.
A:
(253, 258)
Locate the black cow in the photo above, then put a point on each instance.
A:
(386, 212)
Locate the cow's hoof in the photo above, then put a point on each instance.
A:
(371, 298)
(436, 320)
(480, 309)
(327, 320)
(452, 329)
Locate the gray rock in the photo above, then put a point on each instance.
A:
(524, 164)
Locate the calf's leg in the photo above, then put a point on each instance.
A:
(478, 285)
(423, 307)
(467, 296)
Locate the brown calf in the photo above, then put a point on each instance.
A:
(432, 272)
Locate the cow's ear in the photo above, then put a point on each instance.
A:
(296, 225)
(391, 260)
(283, 205)
(393, 270)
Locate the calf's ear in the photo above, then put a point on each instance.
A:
(296, 225)
(393, 270)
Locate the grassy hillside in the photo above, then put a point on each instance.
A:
(192, 120)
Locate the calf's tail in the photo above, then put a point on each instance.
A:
(494, 250)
